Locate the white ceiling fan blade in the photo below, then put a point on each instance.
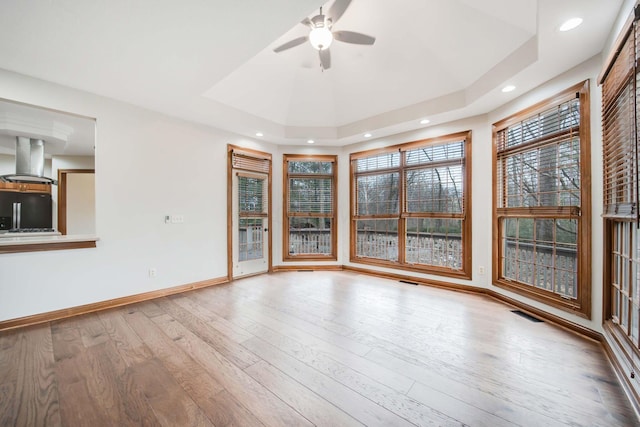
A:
(325, 59)
(353, 37)
(290, 44)
(307, 22)
(337, 9)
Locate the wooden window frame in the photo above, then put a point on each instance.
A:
(286, 256)
(581, 306)
(466, 270)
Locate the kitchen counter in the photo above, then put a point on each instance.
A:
(20, 242)
(34, 234)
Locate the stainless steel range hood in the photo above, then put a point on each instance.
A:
(29, 162)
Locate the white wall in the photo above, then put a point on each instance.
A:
(69, 162)
(81, 212)
(147, 165)
(7, 164)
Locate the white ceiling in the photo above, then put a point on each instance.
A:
(212, 61)
(63, 133)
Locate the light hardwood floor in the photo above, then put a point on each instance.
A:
(307, 348)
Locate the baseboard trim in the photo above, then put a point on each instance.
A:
(619, 370)
(105, 305)
(536, 312)
(283, 268)
(426, 282)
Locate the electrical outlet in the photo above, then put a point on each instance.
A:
(481, 270)
(152, 273)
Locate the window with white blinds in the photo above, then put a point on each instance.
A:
(619, 106)
(542, 203)
(309, 207)
(620, 101)
(410, 206)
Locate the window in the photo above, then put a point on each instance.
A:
(620, 102)
(310, 207)
(411, 206)
(542, 202)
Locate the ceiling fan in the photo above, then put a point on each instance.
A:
(321, 34)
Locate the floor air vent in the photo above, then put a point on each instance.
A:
(526, 316)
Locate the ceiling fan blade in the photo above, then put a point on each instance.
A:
(325, 59)
(337, 9)
(353, 37)
(290, 44)
(307, 22)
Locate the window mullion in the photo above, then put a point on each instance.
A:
(402, 222)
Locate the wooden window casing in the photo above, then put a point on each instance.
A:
(310, 207)
(542, 202)
(411, 206)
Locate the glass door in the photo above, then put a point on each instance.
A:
(250, 221)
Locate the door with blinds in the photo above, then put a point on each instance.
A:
(250, 214)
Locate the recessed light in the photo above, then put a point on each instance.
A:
(367, 135)
(310, 141)
(259, 134)
(508, 88)
(571, 24)
(424, 121)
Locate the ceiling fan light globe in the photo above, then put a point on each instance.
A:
(320, 38)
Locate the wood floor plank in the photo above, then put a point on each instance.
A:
(313, 312)
(36, 391)
(313, 407)
(122, 396)
(500, 398)
(256, 398)
(77, 405)
(231, 412)
(381, 394)
(494, 412)
(171, 405)
(67, 340)
(301, 348)
(8, 349)
(312, 330)
(149, 308)
(130, 347)
(264, 327)
(454, 363)
(122, 399)
(8, 406)
(357, 406)
(91, 330)
(212, 319)
(223, 345)
(195, 381)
